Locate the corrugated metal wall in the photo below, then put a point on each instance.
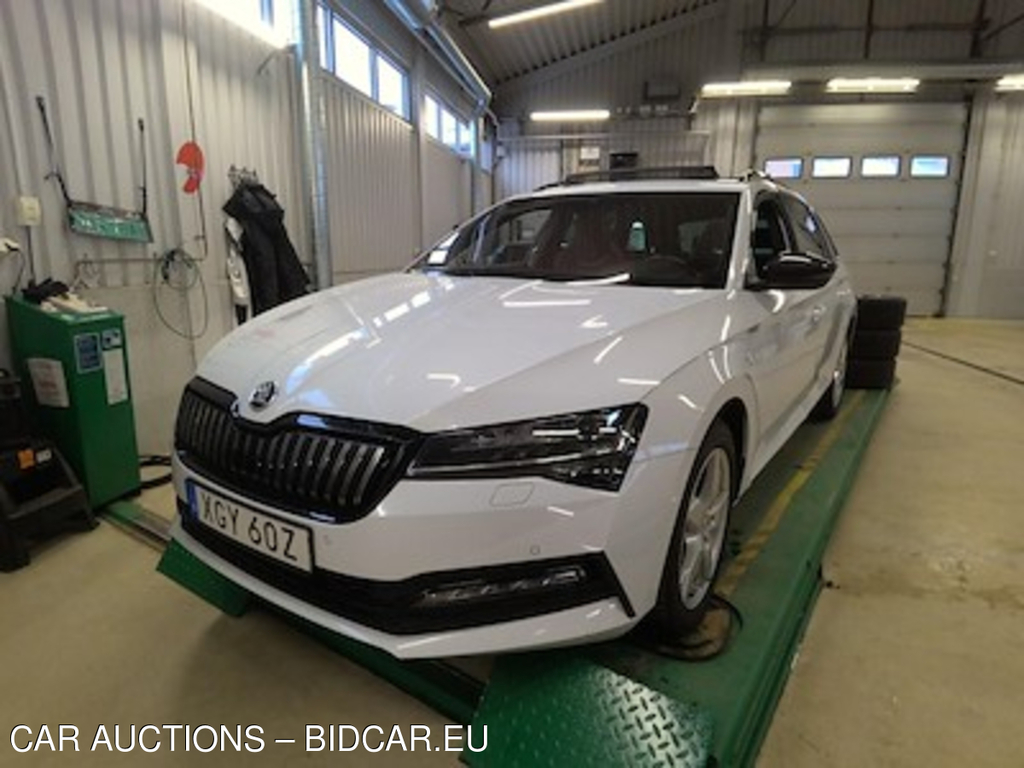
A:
(372, 192)
(528, 47)
(988, 250)
(446, 190)
(526, 164)
(722, 41)
(614, 75)
(905, 30)
(531, 161)
(730, 126)
(101, 65)
(894, 234)
(246, 114)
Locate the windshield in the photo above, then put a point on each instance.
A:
(681, 239)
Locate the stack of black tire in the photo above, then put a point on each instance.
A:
(876, 342)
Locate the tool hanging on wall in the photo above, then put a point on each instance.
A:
(190, 155)
(92, 218)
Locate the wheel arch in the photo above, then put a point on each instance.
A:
(734, 415)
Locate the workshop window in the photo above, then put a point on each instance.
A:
(929, 166)
(880, 166)
(356, 61)
(432, 117)
(784, 167)
(391, 86)
(831, 167)
(352, 58)
(442, 123)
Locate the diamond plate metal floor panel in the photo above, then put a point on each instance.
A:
(559, 709)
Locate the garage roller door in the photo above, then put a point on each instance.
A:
(894, 232)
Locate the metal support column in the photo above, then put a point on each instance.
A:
(313, 128)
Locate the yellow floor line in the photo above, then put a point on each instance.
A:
(752, 547)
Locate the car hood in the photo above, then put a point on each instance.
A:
(434, 352)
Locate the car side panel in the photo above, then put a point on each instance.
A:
(688, 403)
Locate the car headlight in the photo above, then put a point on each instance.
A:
(592, 449)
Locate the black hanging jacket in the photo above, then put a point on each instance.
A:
(275, 273)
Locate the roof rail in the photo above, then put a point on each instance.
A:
(636, 174)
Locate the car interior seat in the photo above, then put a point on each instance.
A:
(710, 258)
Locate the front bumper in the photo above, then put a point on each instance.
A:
(594, 621)
(370, 574)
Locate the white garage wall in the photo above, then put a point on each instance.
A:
(988, 250)
(685, 49)
(102, 64)
(372, 192)
(730, 126)
(532, 161)
(723, 39)
(894, 234)
(446, 183)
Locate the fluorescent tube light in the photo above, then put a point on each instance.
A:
(539, 13)
(745, 88)
(240, 15)
(872, 85)
(1010, 83)
(570, 116)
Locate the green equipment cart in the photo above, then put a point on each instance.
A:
(75, 367)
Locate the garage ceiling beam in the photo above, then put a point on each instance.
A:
(830, 29)
(1003, 27)
(869, 28)
(695, 14)
(953, 70)
(979, 26)
(483, 17)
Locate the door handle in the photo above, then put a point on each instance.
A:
(817, 313)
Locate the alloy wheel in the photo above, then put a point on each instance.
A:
(703, 528)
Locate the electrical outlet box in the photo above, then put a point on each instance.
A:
(28, 211)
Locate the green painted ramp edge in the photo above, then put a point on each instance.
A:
(443, 687)
(180, 565)
(734, 694)
(560, 709)
(447, 689)
(775, 596)
(617, 704)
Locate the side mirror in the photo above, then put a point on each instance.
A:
(794, 271)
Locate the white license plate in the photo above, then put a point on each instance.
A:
(275, 538)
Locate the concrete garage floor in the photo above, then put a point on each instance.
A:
(913, 659)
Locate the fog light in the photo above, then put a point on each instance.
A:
(469, 591)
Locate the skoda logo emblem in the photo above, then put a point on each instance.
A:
(263, 395)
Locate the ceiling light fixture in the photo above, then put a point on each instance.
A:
(539, 13)
(872, 85)
(745, 88)
(1010, 83)
(571, 116)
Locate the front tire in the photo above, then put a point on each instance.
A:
(698, 539)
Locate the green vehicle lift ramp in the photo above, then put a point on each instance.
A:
(619, 703)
